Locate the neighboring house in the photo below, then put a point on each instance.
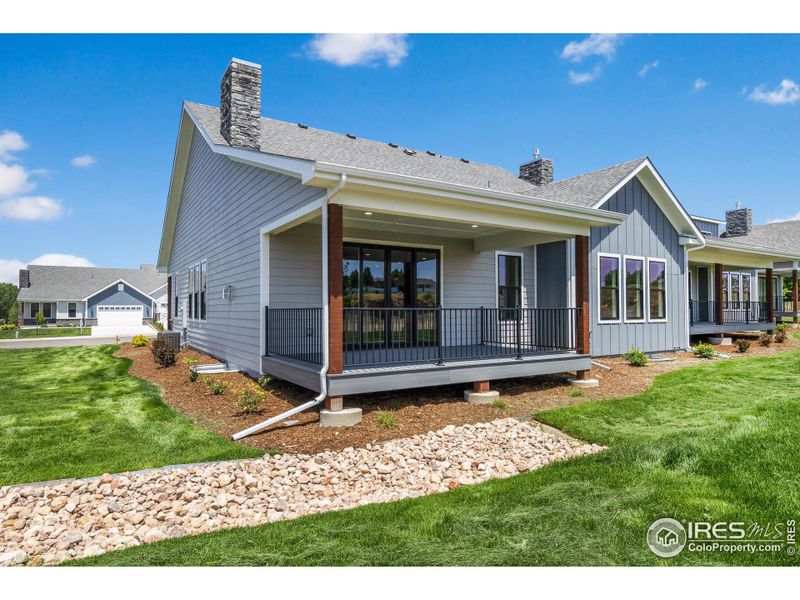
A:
(90, 295)
(347, 265)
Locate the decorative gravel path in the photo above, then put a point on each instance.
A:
(86, 517)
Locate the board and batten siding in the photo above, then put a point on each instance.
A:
(223, 207)
(645, 232)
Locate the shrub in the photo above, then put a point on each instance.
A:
(39, 316)
(158, 326)
(215, 386)
(742, 345)
(189, 361)
(780, 337)
(576, 394)
(8, 326)
(765, 339)
(192, 375)
(703, 350)
(387, 419)
(163, 353)
(499, 404)
(251, 397)
(636, 358)
(139, 341)
(264, 381)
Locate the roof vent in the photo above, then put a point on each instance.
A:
(351, 136)
(391, 145)
(302, 126)
(431, 153)
(409, 151)
(464, 160)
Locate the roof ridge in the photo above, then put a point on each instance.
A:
(595, 171)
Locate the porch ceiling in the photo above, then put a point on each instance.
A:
(735, 257)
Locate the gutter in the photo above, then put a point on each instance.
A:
(323, 373)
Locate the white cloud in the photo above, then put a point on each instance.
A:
(788, 92)
(84, 160)
(348, 49)
(31, 208)
(9, 268)
(10, 142)
(794, 217)
(597, 44)
(578, 78)
(699, 84)
(647, 68)
(14, 179)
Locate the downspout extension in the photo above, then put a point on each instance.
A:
(323, 379)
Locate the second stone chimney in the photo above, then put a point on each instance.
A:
(539, 171)
(738, 221)
(240, 104)
(24, 278)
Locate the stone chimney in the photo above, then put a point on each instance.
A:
(539, 171)
(24, 278)
(240, 104)
(738, 221)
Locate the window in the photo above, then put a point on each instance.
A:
(120, 287)
(726, 283)
(509, 284)
(176, 297)
(197, 279)
(203, 276)
(34, 309)
(190, 292)
(71, 310)
(609, 287)
(746, 288)
(657, 276)
(47, 309)
(734, 279)
(634, 289)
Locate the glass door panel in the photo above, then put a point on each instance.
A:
(401, 269)
(426, 283)
(373, 295)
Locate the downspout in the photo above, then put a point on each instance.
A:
(323, 373)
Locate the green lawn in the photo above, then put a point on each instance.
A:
(716, 442)
(74, 412)
(44, 332)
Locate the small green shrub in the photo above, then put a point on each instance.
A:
(139, 341)
(158, 326)
(387, 419)
(264, 381)
(251, 397)
(782, 327)
(215, 386)
(765, 339)
(192, 375)
(163, 353)
(742, 345)
(576, 394)
(39, 316)
(703, 350)
(186, 360)
(636, 358)
(8, 326)
(499, 404)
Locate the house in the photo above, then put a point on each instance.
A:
(347, 265)
(91, 295)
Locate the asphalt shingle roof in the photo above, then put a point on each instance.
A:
(76, 283)
(783, 236)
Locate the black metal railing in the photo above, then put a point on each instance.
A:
(705, 311)
(784, 304)
(294, 333)
(381, 336)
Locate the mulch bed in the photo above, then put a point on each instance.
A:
(416, 411)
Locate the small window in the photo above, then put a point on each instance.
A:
(609, 288)
(509, 284)
(71, 310)
(47, 309)
(176, 297)
(657, 275)
(196, 292)
(34, 309)
(634, 289)
(120, 287)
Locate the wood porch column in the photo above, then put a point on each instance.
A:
(770, 296)
(335, 289)
(582, 298)
(718, 312)
(795, 304)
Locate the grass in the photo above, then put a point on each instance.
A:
(387, 419)
(714, 442)
(45, 332)
(75, 412)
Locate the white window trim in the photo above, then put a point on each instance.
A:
(666, 291)
(522, 291)
(620, 283)
(189, 296)
(624, 314)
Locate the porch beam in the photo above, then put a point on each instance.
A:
(582, 296)
(770, 295)
(514, 239)
(335, 226)
(718, 312)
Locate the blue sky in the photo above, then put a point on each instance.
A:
(716, 113)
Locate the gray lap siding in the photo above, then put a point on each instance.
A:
(223, 206)
(114, 297)
(646, 232)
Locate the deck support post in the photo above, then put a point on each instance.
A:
(480, 386)
(334, 403)
(770, 296)
(582, 343)
(480, 393)
(719, 315)
(795, 299)
(335, 227)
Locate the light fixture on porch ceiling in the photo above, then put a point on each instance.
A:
(474, 226)
(368, 213)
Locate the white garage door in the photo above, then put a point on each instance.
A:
(119, 315)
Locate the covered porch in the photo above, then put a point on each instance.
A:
(787, 298)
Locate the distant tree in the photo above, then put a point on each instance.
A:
(13, 312)
(8, 297)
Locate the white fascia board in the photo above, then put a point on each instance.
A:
(679, 218)
(417, 185)
(294, 218)
(105, 287)
(708, 219)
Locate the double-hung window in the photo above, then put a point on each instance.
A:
(198, 281)
(203, 275)
(34, 309)
(509, 284)
(609, 267)
(634, 288)
(71, 310)
(47, 309)
(190, 292)
(176, 296)
(657, 277)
